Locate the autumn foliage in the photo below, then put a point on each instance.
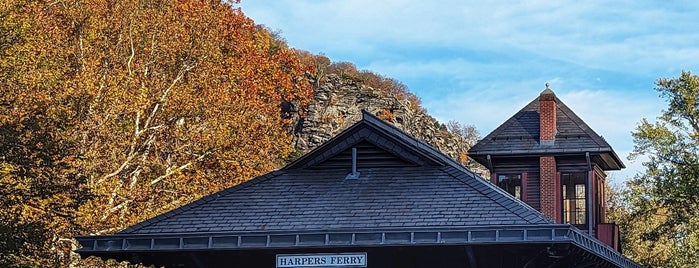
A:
(388, 87)
(114, 111)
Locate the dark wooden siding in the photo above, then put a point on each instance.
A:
(521, 166)
(533, 190)
(368, 156)
(567, 164)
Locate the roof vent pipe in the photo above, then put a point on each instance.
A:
(354, 174)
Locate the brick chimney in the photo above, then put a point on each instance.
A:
(547, 117)
(550, 186)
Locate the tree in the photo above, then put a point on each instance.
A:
(664, 202)
(637, 228)
(41, 185)
(113, 111)
(464, 136)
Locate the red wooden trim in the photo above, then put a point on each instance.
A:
(608, 233)
(494, 178)
(525, 198)
(593, 200)
(559, 199)
(602, 196)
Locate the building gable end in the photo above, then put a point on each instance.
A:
(379, 143)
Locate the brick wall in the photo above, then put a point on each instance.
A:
(549, 191)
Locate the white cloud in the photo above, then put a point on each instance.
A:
(481, 61)
(615, 36)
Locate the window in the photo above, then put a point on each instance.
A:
(511, 183)
(599, 194)
(574, 192)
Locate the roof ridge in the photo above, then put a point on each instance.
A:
(453, 164)
(201, 201)
(370, 123)
(403, 136)
(502, 126)
(582, 125)
(309, 155)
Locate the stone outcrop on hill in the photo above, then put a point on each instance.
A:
(338, 102)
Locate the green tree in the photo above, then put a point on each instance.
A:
(663, 203)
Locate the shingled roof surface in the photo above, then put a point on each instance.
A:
(430, 190)
(520, 135)
(311, 200)
(405, 193)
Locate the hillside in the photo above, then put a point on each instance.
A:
(341, 93)
(112, 112)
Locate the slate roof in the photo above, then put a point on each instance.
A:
(519, 135)
(418, 196)
(430, 190)
(380, 198)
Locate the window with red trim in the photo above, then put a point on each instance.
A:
(511, 183)
(574, 191)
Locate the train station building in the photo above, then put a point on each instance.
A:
(374, 196)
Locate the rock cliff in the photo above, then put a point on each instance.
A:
(339, 100)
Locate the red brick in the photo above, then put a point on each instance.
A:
(549, 187)
(547, 116)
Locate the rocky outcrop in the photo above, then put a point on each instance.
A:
(338, 102)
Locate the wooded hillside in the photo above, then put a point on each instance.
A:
(112, 112)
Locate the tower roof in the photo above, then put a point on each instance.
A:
(519, 136)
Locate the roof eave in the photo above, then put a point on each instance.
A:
(494, 234)
(610, 158)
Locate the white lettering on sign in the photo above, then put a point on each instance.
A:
(321, 260)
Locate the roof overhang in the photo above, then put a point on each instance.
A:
(606, 158)
(121, 246)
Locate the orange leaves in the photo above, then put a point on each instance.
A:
(386, 115)
(193, 90)
(150, 104)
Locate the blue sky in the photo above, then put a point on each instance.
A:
(479, 62)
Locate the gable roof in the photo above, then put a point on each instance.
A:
(415, 195)
(519, 135)
(412, 184)
(380, 135)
